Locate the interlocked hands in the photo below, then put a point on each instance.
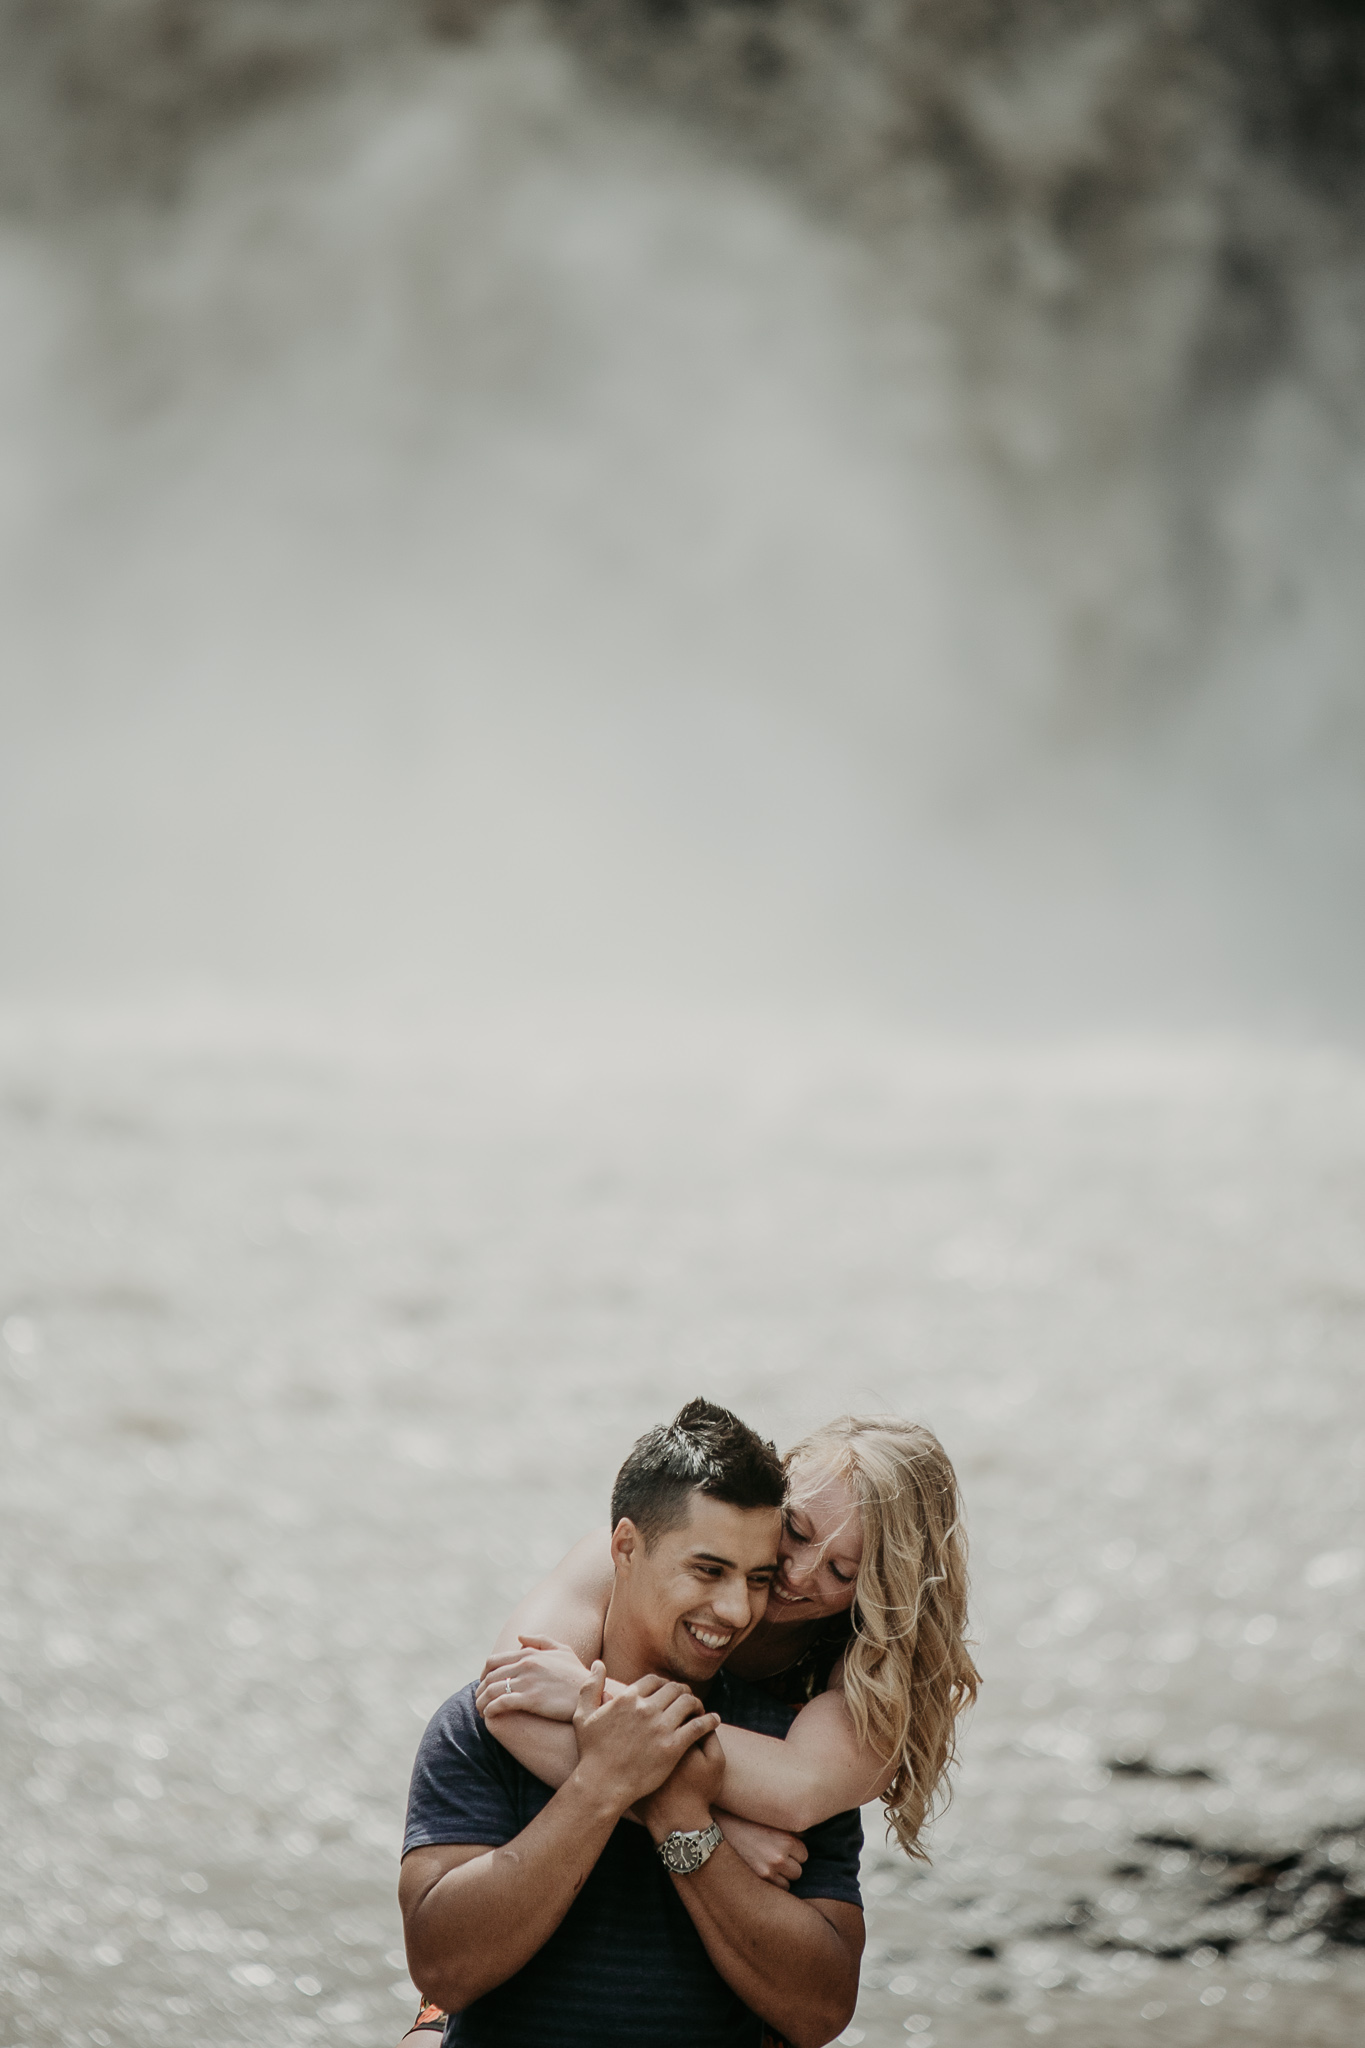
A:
(631, 1743)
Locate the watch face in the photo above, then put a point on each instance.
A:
(685, 1852)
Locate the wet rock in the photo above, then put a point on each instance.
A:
(1217, 1898)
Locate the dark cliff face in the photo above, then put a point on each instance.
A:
(1079, 145)
(1301, 68)
(848, 91)
(100, 101)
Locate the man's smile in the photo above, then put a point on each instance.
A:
(714, 1641)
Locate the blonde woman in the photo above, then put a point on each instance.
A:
(865, 1632)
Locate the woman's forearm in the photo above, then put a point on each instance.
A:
(548, 1749)
(820, 1769)
(763, 1783)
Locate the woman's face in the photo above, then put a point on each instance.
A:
(822, 1544)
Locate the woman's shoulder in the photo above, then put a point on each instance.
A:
(585, 1573)
(590, 1558)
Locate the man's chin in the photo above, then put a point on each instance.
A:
(676, 1663)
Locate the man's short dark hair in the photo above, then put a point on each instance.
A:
(704, 1449)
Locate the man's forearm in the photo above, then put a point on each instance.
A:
(478, 1924)
(779, 1954)
(793, 1962)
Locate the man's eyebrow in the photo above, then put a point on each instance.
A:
(711, 1557)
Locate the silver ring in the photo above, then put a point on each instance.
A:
(508, 1684)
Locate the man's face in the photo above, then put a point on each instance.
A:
(686, 1604)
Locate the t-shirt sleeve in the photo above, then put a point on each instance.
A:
(831, 1867)
(461, 1787)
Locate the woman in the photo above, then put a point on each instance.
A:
(864, 1633)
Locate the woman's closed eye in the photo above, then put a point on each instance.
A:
(803, 1537)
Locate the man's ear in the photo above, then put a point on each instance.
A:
(626, 1541)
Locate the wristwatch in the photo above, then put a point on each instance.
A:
(686, 1849)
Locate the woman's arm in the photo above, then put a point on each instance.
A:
(820, 1769)
(533, 1720)
(570, 1609)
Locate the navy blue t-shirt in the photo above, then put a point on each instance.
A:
(625, 1968)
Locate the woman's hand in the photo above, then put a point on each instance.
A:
(546, 1679)
(770, 1853)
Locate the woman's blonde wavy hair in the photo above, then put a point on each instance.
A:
(907, 1674)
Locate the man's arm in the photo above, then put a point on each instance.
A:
(793, 1961)
(473, 1916)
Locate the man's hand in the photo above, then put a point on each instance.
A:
(546, 1678)
(771, 1853)
(628, 1746)
(685, 1799)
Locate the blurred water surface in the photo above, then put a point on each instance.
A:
(314, 1359)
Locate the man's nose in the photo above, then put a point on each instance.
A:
(731, 1604)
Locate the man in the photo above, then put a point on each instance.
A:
(551, 1920)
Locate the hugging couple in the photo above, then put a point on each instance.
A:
(639, 1829)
